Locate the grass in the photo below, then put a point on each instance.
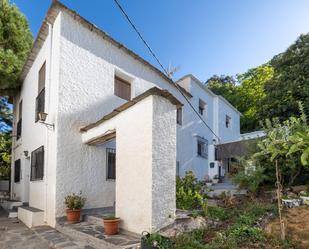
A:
(238, 229)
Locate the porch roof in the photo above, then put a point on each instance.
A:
(152, 91)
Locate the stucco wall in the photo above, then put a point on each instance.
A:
(146, 162)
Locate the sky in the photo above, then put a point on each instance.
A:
(202, 37)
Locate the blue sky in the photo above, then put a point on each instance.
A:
(202, 37)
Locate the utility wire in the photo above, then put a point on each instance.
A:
(165, 71)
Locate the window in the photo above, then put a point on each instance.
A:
(17, 171)
(227, 121)
(201, 107)
(111, 164)
(19, 122)
(202, 148)
(37, 164)
(179, 116)
(177, 168)
(40, 99)
(122, 88)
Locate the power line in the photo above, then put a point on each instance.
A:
(165, 71)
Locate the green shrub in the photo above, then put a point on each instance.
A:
(189, 192)
(156, 240)
(217, 213)
(74, 201)
(243, 233)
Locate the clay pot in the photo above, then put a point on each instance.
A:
(73, 216)
(111, 226)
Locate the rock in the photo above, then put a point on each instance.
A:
(291, 195)
(183, 225)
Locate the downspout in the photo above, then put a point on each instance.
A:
(47, 130)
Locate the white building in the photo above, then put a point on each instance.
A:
(77, 74)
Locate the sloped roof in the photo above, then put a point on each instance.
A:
(152, 91)
(50, 17)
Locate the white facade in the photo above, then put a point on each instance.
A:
(81, 65)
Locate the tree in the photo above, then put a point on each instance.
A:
(225, 86)
(5, 154)
(5, 115)
(283, 144)
(15, 44)
(250, 94)
(290, 82)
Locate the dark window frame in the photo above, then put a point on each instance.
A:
(19, 122)
(37, 167)
(40, 99)
(17, 171)
(117, 88)
(110, 164)
(179, 115)
(201, 107)
(202, 148)
(228, 121)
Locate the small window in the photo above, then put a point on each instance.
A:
(122, 88)
(40, 99)
(19, 122)
(202, 148)
(201, 107)
(111, 164)
(179, 116)
(37, 164)
(227, 121)
(177, 168)
(17, 171)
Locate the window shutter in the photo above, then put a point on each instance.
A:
(111, 163)
(122, 88)
(42, 74)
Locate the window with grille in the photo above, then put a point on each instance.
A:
(17, 171)
(40, 99)
(202, 148)
(179, 116)
(111, 164)
(37, 164)
(122, 88)
(19, 122)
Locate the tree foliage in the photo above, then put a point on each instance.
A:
(270, 90)
(286, 142)
(290, 82)
(15, 44)
(5, 154)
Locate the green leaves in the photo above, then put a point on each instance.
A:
(15, 44)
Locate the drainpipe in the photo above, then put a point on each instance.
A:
(50, 25)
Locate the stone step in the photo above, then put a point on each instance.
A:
(57, 240)
(12, 213)
(95, 236)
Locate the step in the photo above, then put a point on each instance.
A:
(9, 204)
(95, 236)
(31, 216)
(12, 213)
(57, 240)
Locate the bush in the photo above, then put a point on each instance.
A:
(217, 213)
(189, 193)
(249, 177)
(243, 233)
(74, 201)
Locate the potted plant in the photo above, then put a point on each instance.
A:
(111, 224)
(215, 180)
(74, 203)
(290, 202)
(155, 241)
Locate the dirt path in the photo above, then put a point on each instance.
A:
(297, 220)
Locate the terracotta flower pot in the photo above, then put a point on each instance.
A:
(111, 226)
(73, 216)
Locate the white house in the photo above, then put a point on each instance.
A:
(77, 74)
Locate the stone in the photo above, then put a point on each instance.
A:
(183, 225)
